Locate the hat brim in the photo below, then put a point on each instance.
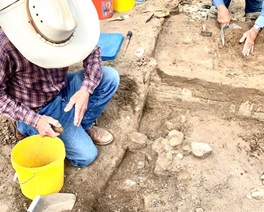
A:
(14, 22)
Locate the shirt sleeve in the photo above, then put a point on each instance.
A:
(17, 111)
(216, 3)
(93, 70)
(260, 19)
(9, 107)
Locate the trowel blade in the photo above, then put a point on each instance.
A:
(57, 202)
(234, 26)
(222, 34)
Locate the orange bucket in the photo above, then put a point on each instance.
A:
(104, 8)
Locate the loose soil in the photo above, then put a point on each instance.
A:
(184, 82)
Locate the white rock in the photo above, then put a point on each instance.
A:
(130, 182)
(249, 196)
(257, 194)
(201, 149)
(175, 138)
(180, 155)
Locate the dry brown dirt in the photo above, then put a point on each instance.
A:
(186, 82)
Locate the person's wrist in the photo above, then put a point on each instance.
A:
(257, 28)
(221, 7)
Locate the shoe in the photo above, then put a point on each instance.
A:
(15, 131)
(100, 136)
(252, 16)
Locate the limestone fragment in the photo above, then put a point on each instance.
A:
(199, 210)
(186, 149)
(257, 194)
(137, 141)
(161, 145)
(262, 177)
(163, 163)
(175, 138)
(246, 109)
(201, 149)
(127, 185)
(180, 155)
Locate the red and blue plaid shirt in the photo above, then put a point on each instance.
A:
(24, 85)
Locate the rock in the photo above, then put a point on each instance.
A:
(127, 186)
(163, 163)
(199, 210)
(201, 149)
(3, 207)
(249, 196)
(137, 141)
(257, 194)
(169, 125)
(161, 145)
(152, 203)
(186, 149)
(186, 93)
(175, 138)
(246, 109)
(180, 155)
(183, 119)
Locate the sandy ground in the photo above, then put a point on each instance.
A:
(184, 83)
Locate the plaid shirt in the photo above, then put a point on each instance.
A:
(24, 85)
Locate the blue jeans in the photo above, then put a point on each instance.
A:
(251, 5)
(80, 149)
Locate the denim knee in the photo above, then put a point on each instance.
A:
(84, 159)
(111, 76)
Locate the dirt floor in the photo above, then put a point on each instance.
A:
(187, 120)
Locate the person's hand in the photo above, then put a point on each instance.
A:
(223, 15)
(80, 100)
(44, 126)
(249, 38)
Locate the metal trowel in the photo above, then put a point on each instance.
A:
(231, 26)
(57, 202)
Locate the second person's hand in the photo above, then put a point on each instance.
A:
(249, 38)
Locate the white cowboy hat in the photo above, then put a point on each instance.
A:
(51, 33)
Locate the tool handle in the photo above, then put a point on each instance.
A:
(129, 34)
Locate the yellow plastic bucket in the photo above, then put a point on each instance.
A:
(123, 5)
(39, 165)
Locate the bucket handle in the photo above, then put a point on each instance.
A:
(15, 179)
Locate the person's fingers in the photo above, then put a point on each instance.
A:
(248, 52)
(245, 50)
(48, 131)
(243, 38)
(54, 122)
(224, 24)
(69, 106)
(79, 112)
(252, 49)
